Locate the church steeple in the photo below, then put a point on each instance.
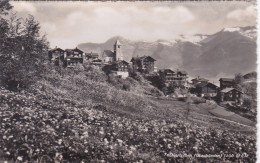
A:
(118, 51)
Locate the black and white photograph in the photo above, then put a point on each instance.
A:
(128, 81)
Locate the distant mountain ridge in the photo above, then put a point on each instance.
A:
(229, 51)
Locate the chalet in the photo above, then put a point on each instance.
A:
(73, 57)
(97, 62)
(120, 68)
(91, 56)
(167, 75)
(204, 88)
(143, 64)
(199, 80)
(116, 55)
(182, 76)
(56, 55)
(230, 94)
(226, 83)
(170, 76)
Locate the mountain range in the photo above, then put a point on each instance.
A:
(223, 54)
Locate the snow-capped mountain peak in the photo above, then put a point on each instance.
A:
(195, 39)
(231, 29)
(249, 31)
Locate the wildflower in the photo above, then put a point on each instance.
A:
(59, 141)
(105, 141)
(132, 148)
(20, 158)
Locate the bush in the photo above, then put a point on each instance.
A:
(126, 87)
(137, 76)
(156, 81)
(250, 104)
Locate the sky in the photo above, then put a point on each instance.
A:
(68, 24)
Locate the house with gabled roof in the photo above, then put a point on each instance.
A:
(91, 56)
(181, 75)
(117, 68)
(143, 64)
(67, 57)
(199, 80)
(167, 75)
(56, 55)
(178, 77)
(230, 94)
(226, 83)
(120, 68)
(73, 57)
(204, 88)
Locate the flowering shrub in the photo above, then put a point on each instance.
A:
(35, 128)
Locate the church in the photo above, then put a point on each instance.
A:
(116, 55)
(115, 62)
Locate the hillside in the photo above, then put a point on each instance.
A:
(205, 55)
(250, 76)
(77, 119)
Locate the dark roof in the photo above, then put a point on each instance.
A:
(142, 58)
(59, 49)
(203, 84)
(200, 79)
(182, 72)
(134, 59)
(200, 84)
(226, 79)
(120, 61)
(166, 71)
(147, 57)
(108, 53)
(226, 90)
(74, 50)
(92, 54)
(78, 50)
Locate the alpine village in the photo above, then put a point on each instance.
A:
(185, 98)
(175, 82)
(113, 63)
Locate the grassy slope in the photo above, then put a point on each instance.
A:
(77, 119)
(124, 103)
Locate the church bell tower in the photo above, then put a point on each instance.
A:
(118, 51)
